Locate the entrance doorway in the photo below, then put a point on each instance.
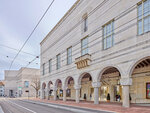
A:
(11, 93)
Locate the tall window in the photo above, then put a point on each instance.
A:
(26, 84)
(108, 35)
(44, 69)
(85, 24)
(50, 65)
(58, 61)
(84, 46)
(69, 55)
(143, 17)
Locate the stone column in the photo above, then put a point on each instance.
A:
(64, 93)
(42, 94)
(77, 88)
(55, 95)
(47, 94)
(111, 91)
(125, 82)
(96, 86)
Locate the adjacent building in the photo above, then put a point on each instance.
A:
(21, 83)
(2, 89)
(10, 83)
(99, 51)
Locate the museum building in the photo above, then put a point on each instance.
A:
(99, 51)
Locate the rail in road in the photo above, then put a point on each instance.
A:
(17, 106)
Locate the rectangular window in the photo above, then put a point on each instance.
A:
(85, 24)
(50, 65)
(143, 17)
(69, 55)
(84, 46)
(58, 61)
(44, 69)
(26, 84)
(108, 35)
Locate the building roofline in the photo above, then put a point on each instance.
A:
(60, 21)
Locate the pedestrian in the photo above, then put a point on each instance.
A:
(119, 98)
(130, 97)
(108, 97)
(84, 96)
(57, 97)
(90, 96)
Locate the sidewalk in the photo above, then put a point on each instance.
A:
(115, 107)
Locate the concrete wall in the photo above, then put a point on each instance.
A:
(10, 82)
(14, 80)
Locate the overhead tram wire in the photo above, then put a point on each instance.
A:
(95, 31)
(76, 25)
(91, 34)
(116, 28)
(16, 50)
(125, 11)
(90, 13)
(31, 34)
(27, 65)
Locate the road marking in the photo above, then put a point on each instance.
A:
(22, 107)
(1, 110)
(72, 109)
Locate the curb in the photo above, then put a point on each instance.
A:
(67, 107)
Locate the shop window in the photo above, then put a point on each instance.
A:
(148, 90)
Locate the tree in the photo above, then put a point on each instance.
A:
(36, 84)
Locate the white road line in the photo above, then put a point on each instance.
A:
(72, 109)
(22, 107)
(1, 110)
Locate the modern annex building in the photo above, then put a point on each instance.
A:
(99, 51)
(21, 83)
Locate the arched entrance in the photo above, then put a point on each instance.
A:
(110, 89)
(50, 90)
(43, 90)
(70, 92)
(140, 88)
(59, 92)
(86, 91)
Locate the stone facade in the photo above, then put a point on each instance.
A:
(115, 70)
(23, 81)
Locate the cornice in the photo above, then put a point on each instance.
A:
(60, 21)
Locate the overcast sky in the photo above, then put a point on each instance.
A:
(17, 20)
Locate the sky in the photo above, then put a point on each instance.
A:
(17, 20)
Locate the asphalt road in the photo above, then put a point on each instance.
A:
(17, 106)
